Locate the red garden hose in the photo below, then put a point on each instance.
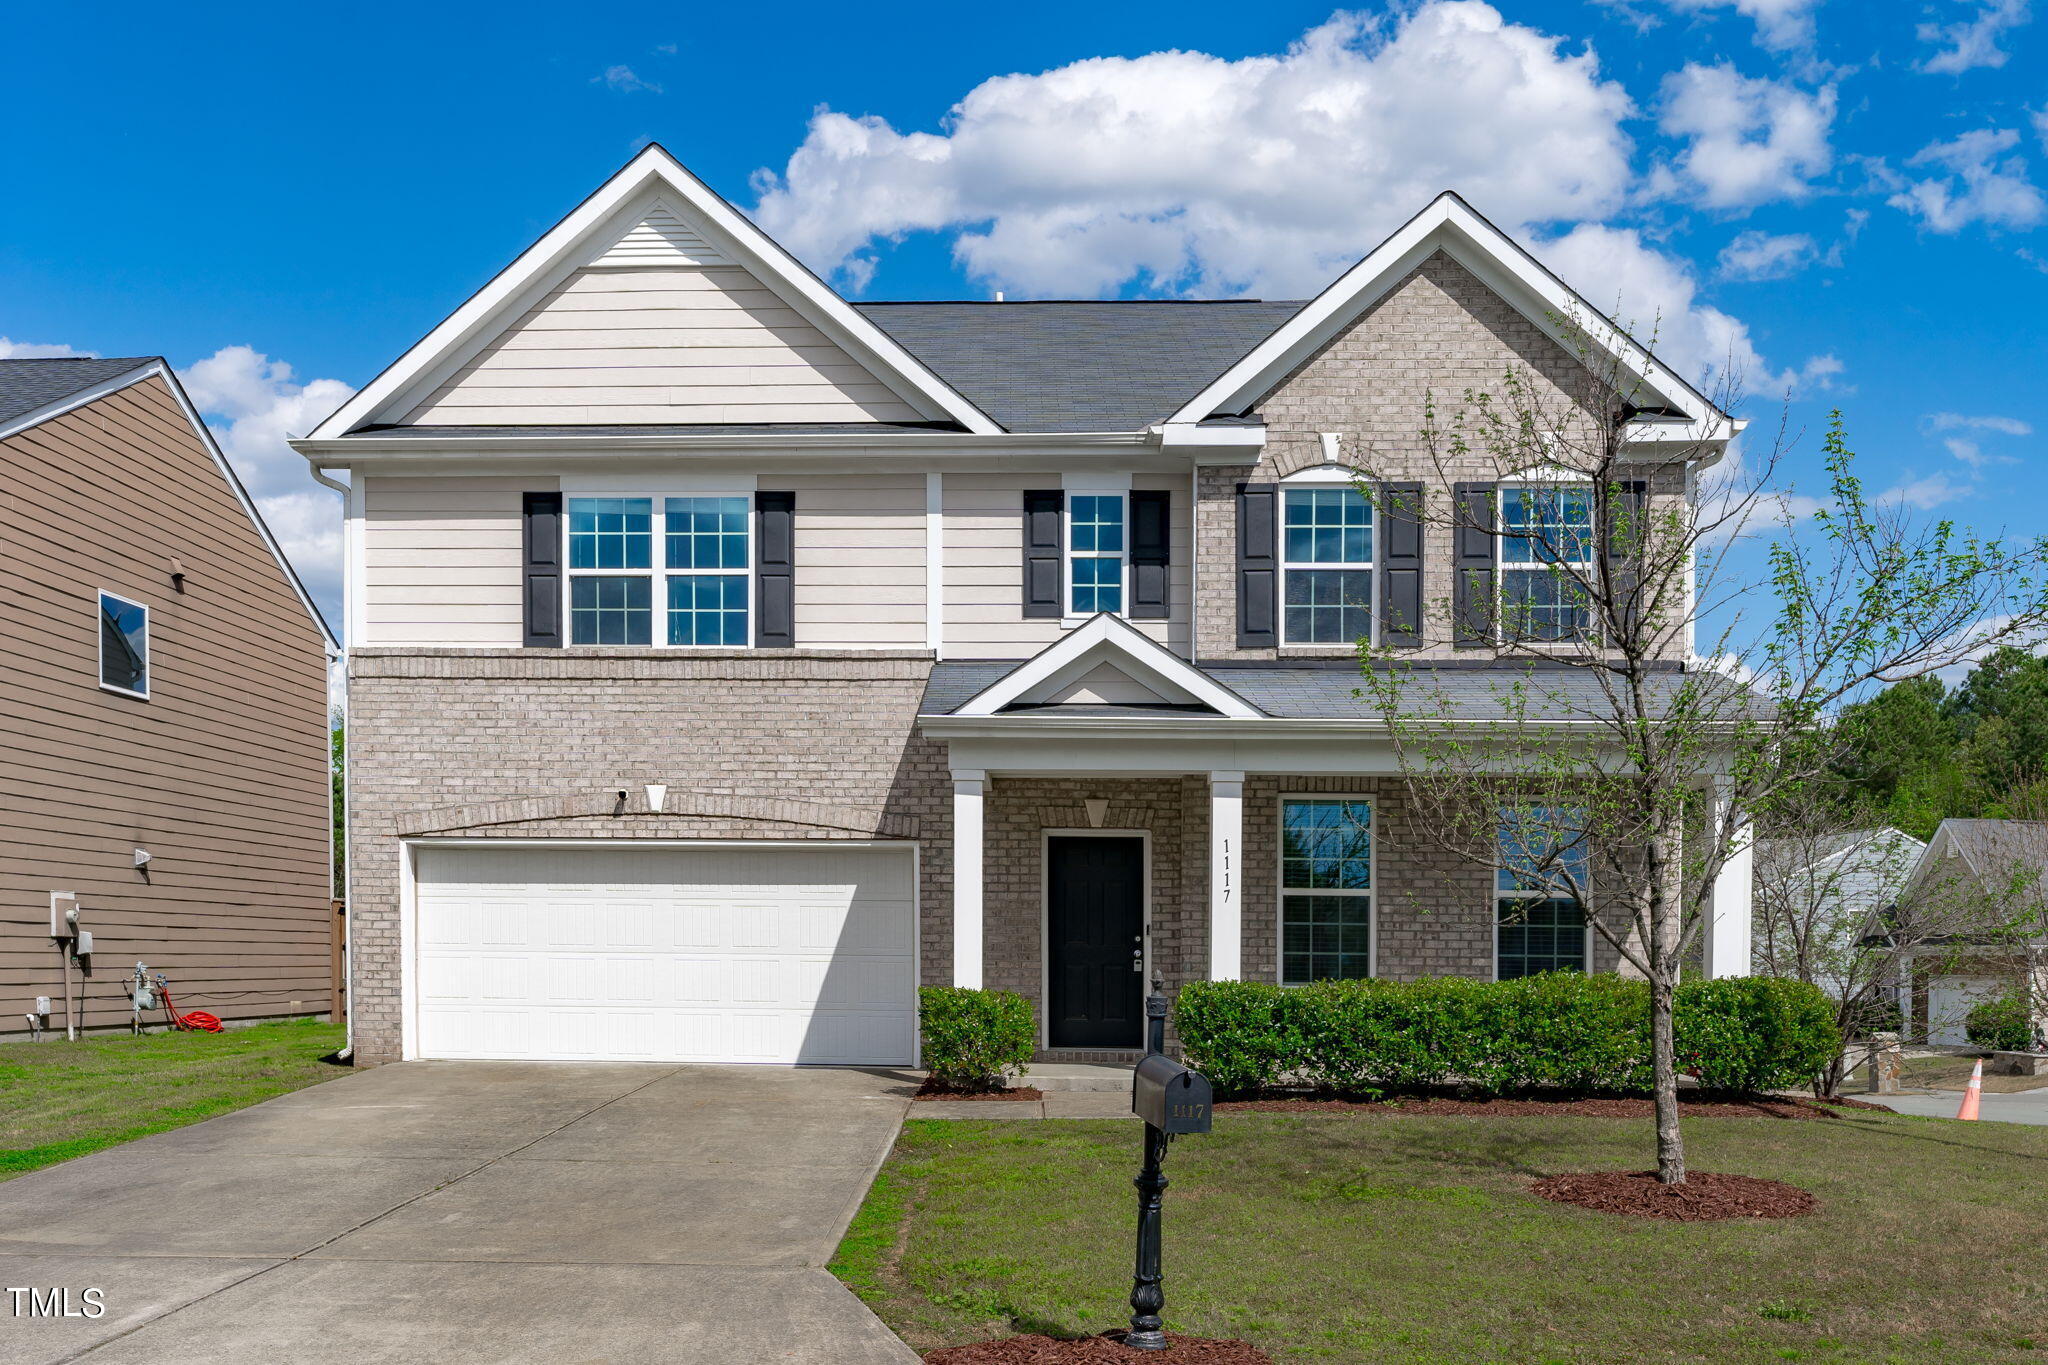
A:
(198, 1021)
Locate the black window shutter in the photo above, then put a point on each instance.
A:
(775, 571)
(1472, 565)
(1044, 561)
(542, 515)
(1151, 553)
(1258, 566)
(1400, 565)
(1627, 508)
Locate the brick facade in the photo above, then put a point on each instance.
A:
(1435, 335)
(807, 745)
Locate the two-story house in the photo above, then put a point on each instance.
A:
(728, 658)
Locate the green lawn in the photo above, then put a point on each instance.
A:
(1414, 1241)
(59, 1100)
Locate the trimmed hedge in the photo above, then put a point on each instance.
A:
(1558, 1031)
(975, 1040)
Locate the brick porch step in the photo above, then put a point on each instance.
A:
(1086, 1076)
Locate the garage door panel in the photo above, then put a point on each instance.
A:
(673, 954)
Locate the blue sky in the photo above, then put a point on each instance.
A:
(1846, 197)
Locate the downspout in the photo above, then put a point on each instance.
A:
(338, 655)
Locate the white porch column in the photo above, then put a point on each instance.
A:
(1728, 930)
(967, 883)
(1226, 891)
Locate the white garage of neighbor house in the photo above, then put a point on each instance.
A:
(671, 952)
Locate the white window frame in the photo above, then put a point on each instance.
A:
(1282, 890)
(1319, 480)
(1069, 554)
(1501, 893)
(658, 571)
(1559, 481)
(100, 644)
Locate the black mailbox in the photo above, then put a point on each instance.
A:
(1170, 1097)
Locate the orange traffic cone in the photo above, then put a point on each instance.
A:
(1974, 1094)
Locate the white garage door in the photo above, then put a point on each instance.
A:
(671, 954)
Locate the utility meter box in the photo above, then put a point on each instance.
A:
(63, 914)
(1170, 1097)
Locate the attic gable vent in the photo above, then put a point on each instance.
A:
(660, 238)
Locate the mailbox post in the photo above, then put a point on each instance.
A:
(1172, 1100)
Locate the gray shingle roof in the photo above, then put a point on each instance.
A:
(1106, 365)
(28, 384)
(666, 429)
(1318, 692)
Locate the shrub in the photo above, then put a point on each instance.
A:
(1748, 1034)
(2002, 1023)
(975, 1040)
(1558, 1031)
(1242, 1035)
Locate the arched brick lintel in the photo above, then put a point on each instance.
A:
(585, 805)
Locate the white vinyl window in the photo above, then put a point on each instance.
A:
(1325, 889)
(671, 571)
(1326, 564)
(1539, 925)
(1546, 543)
(1096, 540)
(124, 646)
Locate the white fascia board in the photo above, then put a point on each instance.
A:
(1213, 444)
(563, 248)
(1106, 639)
(71, 401)
(1449, 224)
(340, 451)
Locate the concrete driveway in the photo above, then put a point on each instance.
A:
(2020, 1106)
(469, 1211)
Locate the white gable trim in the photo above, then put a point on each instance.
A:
(592, 229)
(94, 393)
(1451, 226)
(1107, 639)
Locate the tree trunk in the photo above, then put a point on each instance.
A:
(1664, 1058)
(1665, 936)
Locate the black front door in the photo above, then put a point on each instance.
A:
(1095, 932)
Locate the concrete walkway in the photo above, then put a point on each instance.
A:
(469, 1212)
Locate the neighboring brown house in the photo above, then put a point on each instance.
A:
(163, 710)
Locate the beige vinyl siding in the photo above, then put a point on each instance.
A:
(675, 344)
(860, 579)
(221, 774)
(442, 559)
(984, 550)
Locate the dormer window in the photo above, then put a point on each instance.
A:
(1326, 564)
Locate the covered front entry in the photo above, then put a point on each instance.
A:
(1095, 940)
(665, 952)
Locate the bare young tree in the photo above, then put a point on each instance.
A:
(1614, 762)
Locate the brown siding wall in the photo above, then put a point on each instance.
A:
(221, 774)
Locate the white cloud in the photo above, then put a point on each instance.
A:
(1758, 255)
(1186, 173)
(1956, 421)
(1928, 491)
(1973, 42)
(624, 80)
(254, 403)
(1780, 24)
(10, 349)
(1751, 140)
(1993, 187)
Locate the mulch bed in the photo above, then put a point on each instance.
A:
(1599, 1107)
(1705, 1196)
(1109, 1347)
(934, 1090)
